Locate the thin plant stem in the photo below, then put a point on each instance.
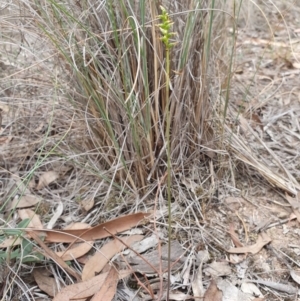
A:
(168, 165)
(165, 27)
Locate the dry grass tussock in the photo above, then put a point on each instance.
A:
(109, 63)
(84, 96)
(119, 69)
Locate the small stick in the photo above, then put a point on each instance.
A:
(126, 245)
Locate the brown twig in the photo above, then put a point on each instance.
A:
(127, 246)
(50, 254)
(150, 291)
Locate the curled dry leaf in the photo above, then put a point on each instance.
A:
(218, 269)
(295, 275)
(151, 262)
(234, 203)
(231, 292)
(235, 259)
(46, 178)
(213, 293)
(78, 249)
(145, 244)
(114, 226)
(83, 259)
(9, 242)
(83, 290)
(35, 221)
(97, 262)
(251, 288)
(234, 237)
(108, 288)
(87, 204)
(45, 282)
(23, 202)
(262, 240)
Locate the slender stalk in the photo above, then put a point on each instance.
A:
(168, 165)
(165, 27)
